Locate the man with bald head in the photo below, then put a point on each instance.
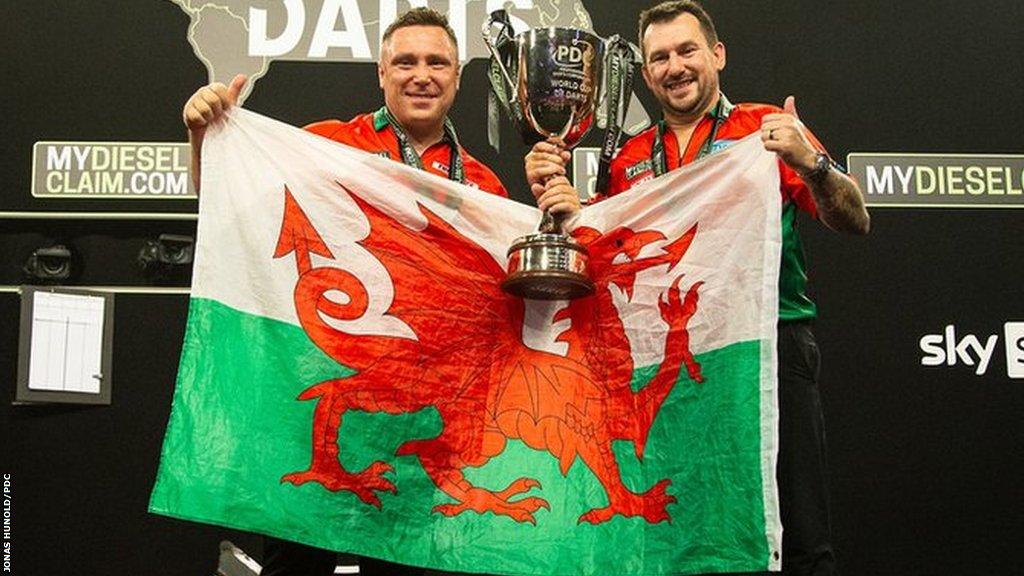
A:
(418, 73)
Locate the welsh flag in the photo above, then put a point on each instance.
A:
(354, 378)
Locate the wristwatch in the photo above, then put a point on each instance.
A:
(822, 165)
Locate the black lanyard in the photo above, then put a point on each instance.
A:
(456, 170)
(658, 161)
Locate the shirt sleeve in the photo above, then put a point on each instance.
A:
(483, 177)
(795, 190)
(334, 130)
(617, 181)
(496, 187)
(793, 187)
(324, 128)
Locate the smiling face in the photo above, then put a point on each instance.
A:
(419, 74)
(681, 67)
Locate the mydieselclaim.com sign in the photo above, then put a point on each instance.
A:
(939, 180)
(111, 170)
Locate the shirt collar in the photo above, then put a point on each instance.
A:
(721, 110)
(381, 121)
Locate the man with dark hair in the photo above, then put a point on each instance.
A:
(682, 61)
(418, 72)
(668, 11)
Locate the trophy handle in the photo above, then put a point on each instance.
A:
(622, 58)
(505, 34)
(502, 92)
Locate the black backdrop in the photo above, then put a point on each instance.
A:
(926, 461)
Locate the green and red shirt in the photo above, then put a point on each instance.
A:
(639, 158)
(374, 133)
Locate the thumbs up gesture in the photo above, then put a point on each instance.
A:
(210, 103)
(784, 134)
(789, 107)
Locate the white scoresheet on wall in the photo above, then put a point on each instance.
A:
(67, 343)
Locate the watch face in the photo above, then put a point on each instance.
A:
(822, 162)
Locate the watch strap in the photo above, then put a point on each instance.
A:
(823, 164)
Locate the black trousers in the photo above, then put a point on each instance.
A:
(803, 464)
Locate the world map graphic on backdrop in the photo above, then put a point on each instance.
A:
(243, 37)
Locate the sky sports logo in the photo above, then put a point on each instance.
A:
(950, 349)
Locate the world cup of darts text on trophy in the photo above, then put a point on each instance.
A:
(551, 82)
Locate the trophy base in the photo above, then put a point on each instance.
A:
(547, 267)
(548, 286)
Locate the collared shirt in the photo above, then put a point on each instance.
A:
(633, 164)
(372, 133)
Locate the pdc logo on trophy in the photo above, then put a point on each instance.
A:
(571, 55)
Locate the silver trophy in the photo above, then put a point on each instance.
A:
(550, 81)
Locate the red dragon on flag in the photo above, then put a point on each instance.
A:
(469, 362)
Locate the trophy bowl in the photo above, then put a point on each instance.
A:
(558, 74)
